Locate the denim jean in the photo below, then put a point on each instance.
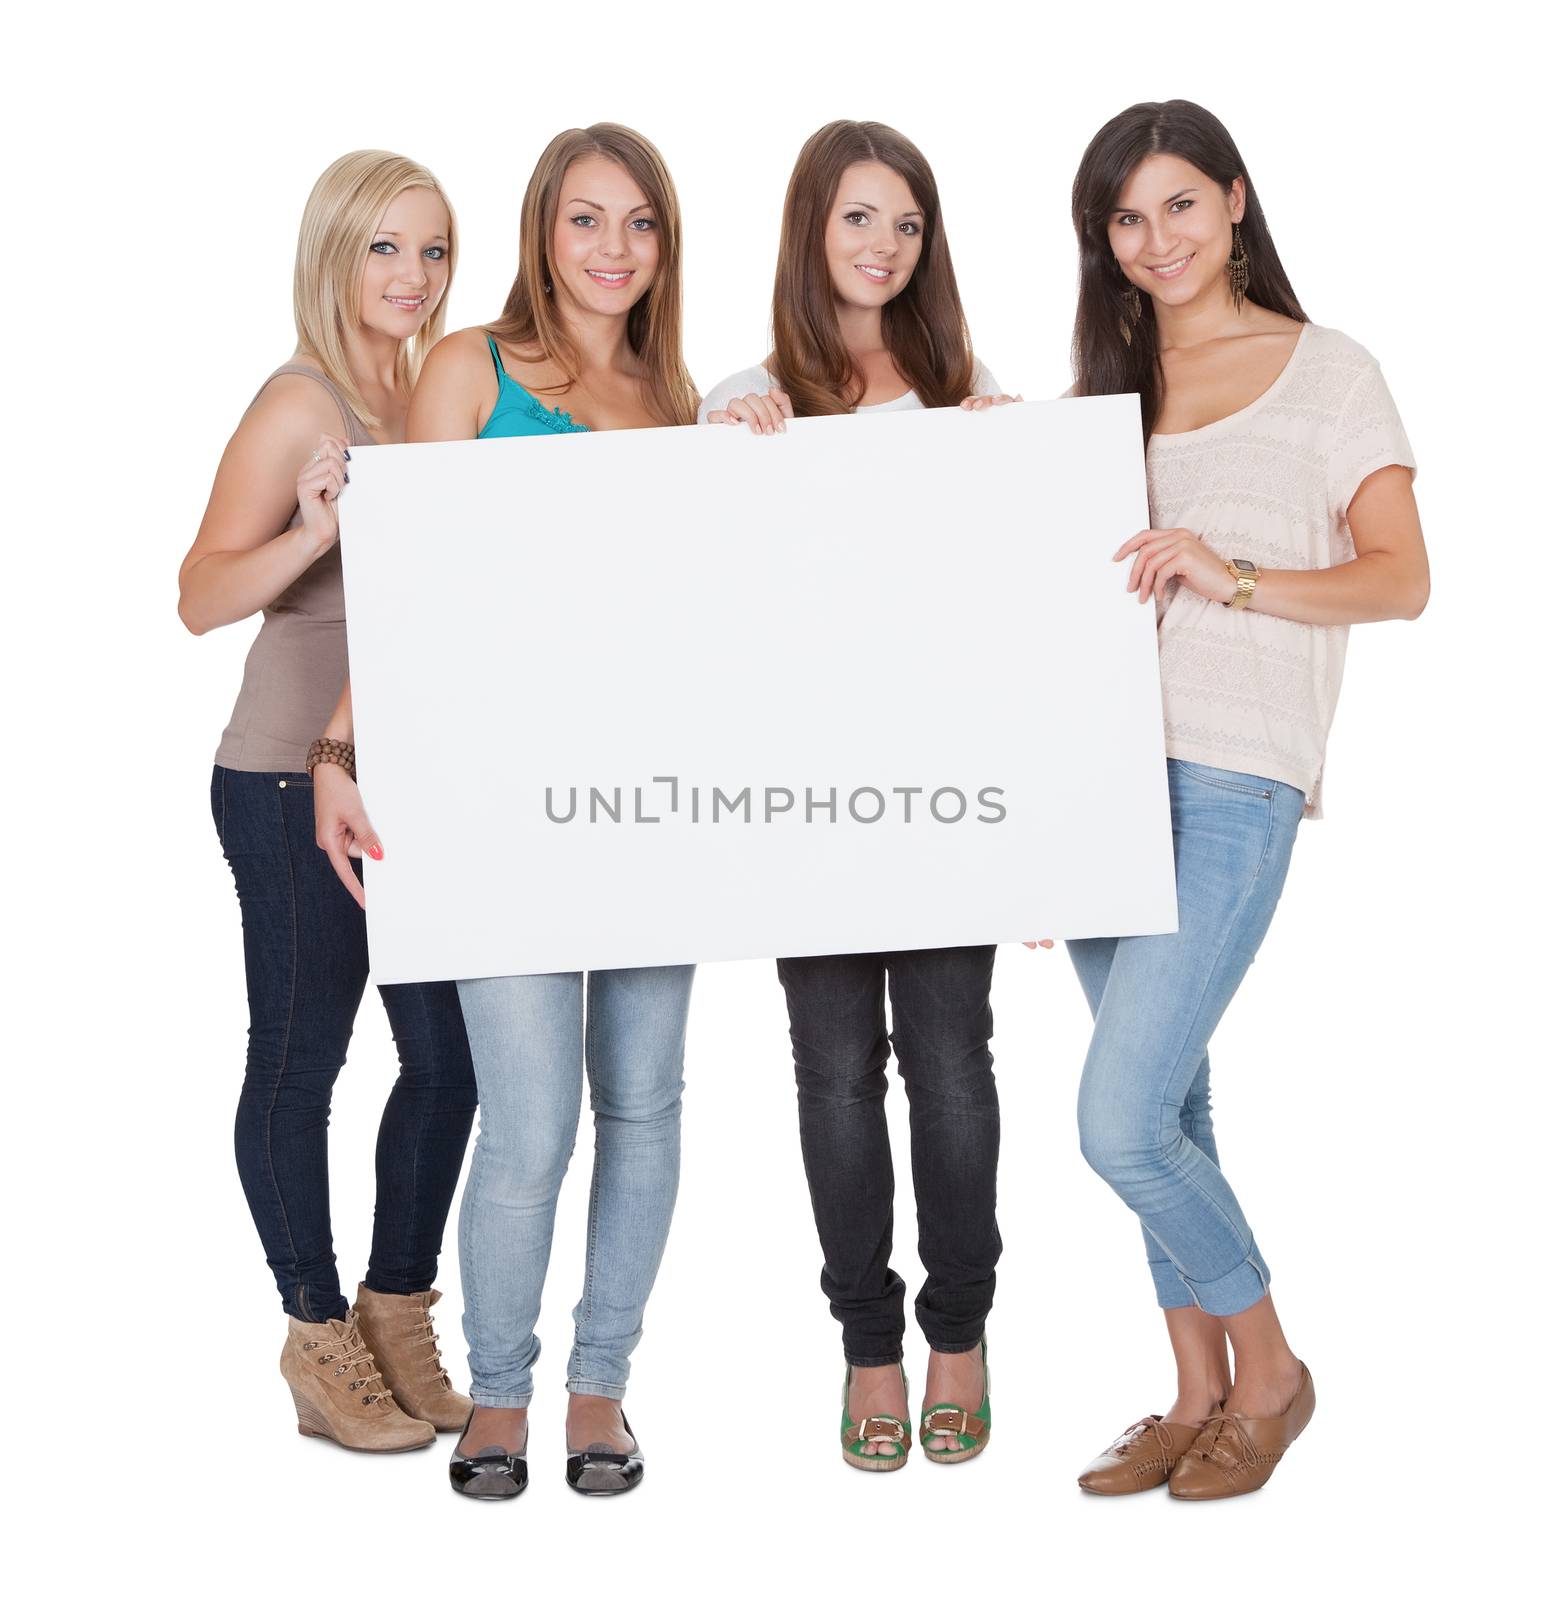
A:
(307, 965)
(1144, 1105)
(943, 1025)
(532, 1039)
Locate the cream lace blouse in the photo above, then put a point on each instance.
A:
(1271, 483)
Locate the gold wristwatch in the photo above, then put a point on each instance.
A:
(1246, 575)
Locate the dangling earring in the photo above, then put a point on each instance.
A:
(1131, 313)
(1238, 270)
(547, 287)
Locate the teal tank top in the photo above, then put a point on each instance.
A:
(518, 412)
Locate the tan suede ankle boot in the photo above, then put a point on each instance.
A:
(400, 1333)
(340, 1394)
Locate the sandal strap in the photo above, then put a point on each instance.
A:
(953, 1419)
(878, 1428)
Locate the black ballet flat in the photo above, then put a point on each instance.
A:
(489, 1475)
(606, 1472)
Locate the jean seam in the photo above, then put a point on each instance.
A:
(1168, 1084)
(301, 1297)
(592, 1231)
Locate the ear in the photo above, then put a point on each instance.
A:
(1236, 200)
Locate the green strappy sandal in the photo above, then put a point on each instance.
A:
(973, 1428)
(877, 1430)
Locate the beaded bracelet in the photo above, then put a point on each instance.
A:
(337, 751)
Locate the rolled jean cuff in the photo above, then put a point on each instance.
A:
(607, 1391)
(501, 1402)
(1235, 1291)
(1172, 1293)
(872, 1360)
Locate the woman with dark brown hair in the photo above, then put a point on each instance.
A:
(1280, 485)
(593, 320)
(866, 316)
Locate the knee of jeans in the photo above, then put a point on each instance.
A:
(648, 1102)
(1123, 1144)
(841, 1077)
(522, 1160)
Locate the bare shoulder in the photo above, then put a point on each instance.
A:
(459, 353)
(291, 409)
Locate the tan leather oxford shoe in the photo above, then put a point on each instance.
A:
(1236, 1455)
(1142, 1458)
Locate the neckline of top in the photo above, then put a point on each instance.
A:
(1254, 405)
(566, 418)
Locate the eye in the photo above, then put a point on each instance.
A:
(643, 224)
(436, 252)
(909, 228)
(1129, 217)
(856, 217)
(384, 246)
(583, 220)
(1182, 205)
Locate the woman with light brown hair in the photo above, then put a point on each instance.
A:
(594, 321)
(866, 317)
(374, 263)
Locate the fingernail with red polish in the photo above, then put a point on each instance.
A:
(376, 853)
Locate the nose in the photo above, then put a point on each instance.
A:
(414, 274)
(1162, 237)
(614, 245)
(885, 246)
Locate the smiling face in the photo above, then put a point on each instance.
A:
(604, 250)
(873, 235)
(1172, 231)
(407, 265)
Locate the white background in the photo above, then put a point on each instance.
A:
(1375, 1083)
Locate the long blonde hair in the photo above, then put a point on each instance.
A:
(339, 224)
(654, 323)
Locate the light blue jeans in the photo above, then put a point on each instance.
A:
(1144, 1105)
(531, 1041)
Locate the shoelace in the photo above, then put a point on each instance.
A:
(432, 1359)
(350, 1352)
(1223, 1436)
(1134, 1433)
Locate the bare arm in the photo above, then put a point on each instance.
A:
(242, 557)
(1388, 578)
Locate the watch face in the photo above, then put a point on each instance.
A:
(1245, 566)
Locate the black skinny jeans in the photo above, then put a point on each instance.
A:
(307, 966)
(943, 1022)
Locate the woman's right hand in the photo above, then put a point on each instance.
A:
(766, 413)
(317, 489)
(342, 828)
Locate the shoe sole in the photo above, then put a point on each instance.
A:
(877, 1463)
(311, 1425)
(952, 1458)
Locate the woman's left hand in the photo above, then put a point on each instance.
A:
(983, 402)
(1165, 553)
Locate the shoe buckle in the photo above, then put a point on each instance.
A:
(947, 1420)
(880, 1428)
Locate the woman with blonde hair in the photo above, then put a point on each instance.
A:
(866, 317)
(374, 263)
(594, 321)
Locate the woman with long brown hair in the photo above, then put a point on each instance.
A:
(593, 320)
(866, 316)
(1280, 487)
(372, 269)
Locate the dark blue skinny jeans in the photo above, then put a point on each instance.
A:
(307, 965)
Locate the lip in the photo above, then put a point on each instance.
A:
(873, 273)
(1173, 269)
(405, 302)
(611, 280)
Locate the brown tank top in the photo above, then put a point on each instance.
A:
(299, 659)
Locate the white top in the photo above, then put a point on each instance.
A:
(1271, 483)
(757, 380)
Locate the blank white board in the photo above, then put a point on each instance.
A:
(858, 608)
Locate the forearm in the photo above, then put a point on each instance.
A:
(340, 725)
(1376, 587)
(227, 585)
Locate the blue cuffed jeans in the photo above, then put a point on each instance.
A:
(1144, 1105)
(532, 1039)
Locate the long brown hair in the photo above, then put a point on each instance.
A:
(923, 326)
(654, 323)
(1103, 362)
(340, 219)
